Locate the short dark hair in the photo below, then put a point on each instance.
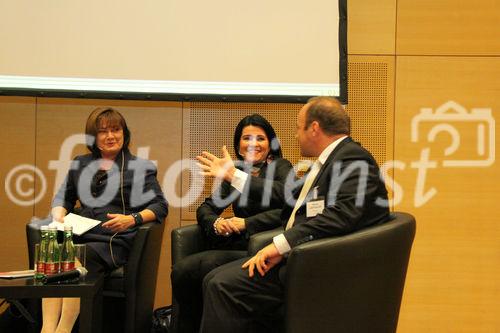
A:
(330, 115)
(259, 121)
(111, 116)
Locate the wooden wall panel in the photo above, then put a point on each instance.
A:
(17, 137)
(453, 278)
(448, 27)
(371, 106)
(371, 27)
(153, 125)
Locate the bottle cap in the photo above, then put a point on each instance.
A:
(44, 227)
(68, 228)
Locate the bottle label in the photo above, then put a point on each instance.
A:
(51, 268)
(67, 266)
(40, 267)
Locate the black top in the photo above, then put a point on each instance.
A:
(99, 193)
(260, 212)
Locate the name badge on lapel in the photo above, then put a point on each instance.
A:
(316, 205)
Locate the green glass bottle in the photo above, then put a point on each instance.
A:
(42, 252)
(68, 250)
(53, 253)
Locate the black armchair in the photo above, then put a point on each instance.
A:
(352, 283)
(130, 289)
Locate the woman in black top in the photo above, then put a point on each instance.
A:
(112, 186)
(259, 157)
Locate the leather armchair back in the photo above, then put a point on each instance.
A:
(187, 240)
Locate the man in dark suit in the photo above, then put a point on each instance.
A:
(341, 193)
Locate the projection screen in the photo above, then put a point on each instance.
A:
(176, 48)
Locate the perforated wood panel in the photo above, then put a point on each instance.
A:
(371, 103)
(209, 126)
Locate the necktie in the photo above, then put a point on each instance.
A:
(303, 192)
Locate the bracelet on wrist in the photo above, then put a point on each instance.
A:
(215, 225)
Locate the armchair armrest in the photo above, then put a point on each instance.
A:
(186, 241)
(144, 255)
(261, 239)
(140, 275)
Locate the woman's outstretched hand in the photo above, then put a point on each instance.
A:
(213, 166)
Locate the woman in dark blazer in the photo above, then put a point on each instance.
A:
(259, 156)
(112, 186)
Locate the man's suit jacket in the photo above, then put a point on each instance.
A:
(350, 183)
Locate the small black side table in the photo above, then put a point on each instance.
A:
(89, 290)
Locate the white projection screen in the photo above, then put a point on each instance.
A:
(169, 49)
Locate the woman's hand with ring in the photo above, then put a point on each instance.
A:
(237, 224)
(223, 228)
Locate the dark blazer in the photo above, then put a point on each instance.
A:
(95, 204)
(341, 215)
(260, 212)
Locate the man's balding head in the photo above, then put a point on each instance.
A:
(330, 115)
